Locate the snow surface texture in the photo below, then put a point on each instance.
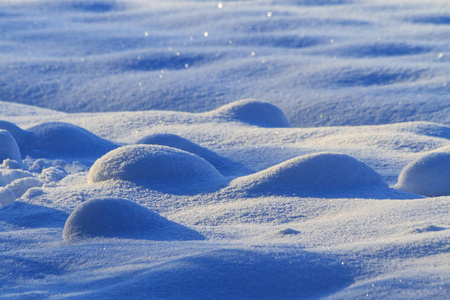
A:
(307, 211)
(124, 219)
(428, 175)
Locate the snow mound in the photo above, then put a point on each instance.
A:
(236, 274)
(224, 165)
(428, 175)
(12, 164)
(313, 173)
(253, 112)
(58, 139)
(120, 218)
(155, 166)
(8, 147)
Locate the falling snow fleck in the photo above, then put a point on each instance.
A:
(205, 34)
(269, 14)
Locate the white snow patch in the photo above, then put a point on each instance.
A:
(428, 175)
(122, 218)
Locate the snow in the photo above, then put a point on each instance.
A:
(207, 149)
(428, 175)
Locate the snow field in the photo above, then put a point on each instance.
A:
(327, 182)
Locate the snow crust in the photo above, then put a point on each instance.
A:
(428, 175)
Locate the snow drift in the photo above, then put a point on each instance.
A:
(318, 173)
(157, 167)
(120, 218)
(428, 175)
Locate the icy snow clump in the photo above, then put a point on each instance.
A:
(7, 175)
(428, 175)
(20, 186)
(120, 218)
(253, 112)
(52, 174)
(8, 147)
(152, 164)
(319, 172)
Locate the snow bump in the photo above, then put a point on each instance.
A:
(58, 139)
(120, 218)
(155, 165)
(253, 112)
(313, 173)
(428, 175)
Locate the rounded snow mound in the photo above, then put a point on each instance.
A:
(428, 175)
(253, 112)
(8, 147)
(319, 172)
(58, 139)
(120, 218)
(152, 164)
(224, 165)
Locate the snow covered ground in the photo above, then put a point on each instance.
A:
(132, 168)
